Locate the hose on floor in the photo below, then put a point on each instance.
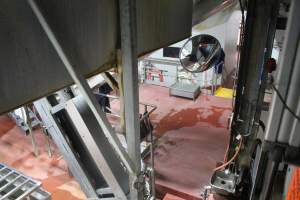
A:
(233, 157)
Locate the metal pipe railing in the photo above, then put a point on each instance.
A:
(150, 146)
(146, 105)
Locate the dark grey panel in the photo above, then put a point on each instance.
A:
(87, 31)
(102, 142)
(29, 66)
(203, 9)
(162, 22)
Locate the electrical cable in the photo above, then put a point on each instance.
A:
(233, 157)
(225, 155)
(285, 104)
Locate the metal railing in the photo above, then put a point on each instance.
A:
(146, 106)
(149, 148)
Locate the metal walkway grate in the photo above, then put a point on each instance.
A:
(15, 185)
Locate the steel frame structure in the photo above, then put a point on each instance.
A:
(49, 111)
(259, 32)
(131, 98)
(257, 47)
(132, 159)
(257, 43)
(99, 148)
(280, 142)
(44, 109)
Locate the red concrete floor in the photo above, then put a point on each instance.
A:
(16, 151)
(172, 197)
(193, 138)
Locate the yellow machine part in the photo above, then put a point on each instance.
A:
(224, 92)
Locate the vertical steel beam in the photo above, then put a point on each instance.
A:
(254, 64)
(28, 122)
(257, 45)
(276, 121)
(268, 53)
(259, 15)
(130, 83)
(121, 93)
(84, 89)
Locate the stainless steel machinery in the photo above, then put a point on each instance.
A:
(49, 45)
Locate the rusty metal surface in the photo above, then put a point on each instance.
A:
(162, 22)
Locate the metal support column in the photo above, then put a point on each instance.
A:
(130, 83)
(29, 124)
(262, 155)
(268, 53)
(257, 45)
(252, 60)
(84, 89)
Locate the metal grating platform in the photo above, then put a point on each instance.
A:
(15, 185)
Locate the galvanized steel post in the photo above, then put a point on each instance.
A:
(130, 82)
